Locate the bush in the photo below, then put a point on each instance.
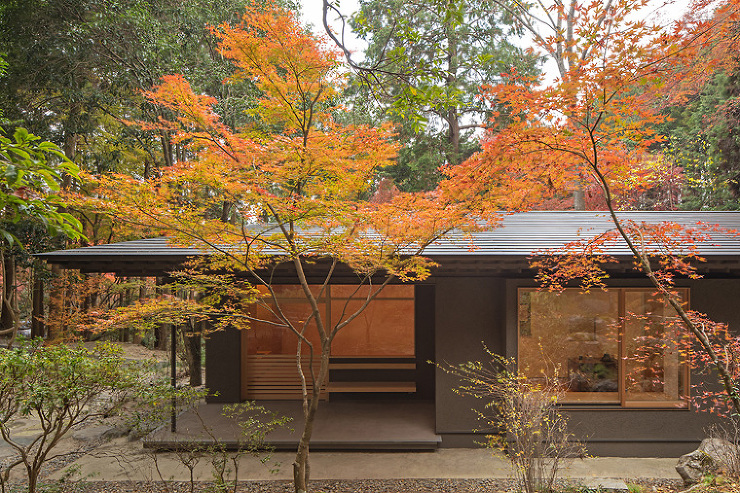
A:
(527, 422)
(60, 387)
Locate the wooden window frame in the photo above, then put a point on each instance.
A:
(623, 402)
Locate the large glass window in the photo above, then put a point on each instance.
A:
(267, 335)
(384, 328)
(604, 347)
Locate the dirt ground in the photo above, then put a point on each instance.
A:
(136, 351)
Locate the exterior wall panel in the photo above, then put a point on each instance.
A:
(223, 362)
(469, 312)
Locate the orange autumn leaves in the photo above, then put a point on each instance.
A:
(294, 183)
(595, 126)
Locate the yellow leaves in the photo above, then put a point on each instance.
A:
(296, 71)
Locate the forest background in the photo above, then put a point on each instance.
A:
(75, 74)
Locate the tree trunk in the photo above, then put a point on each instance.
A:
(7, 317)
(301, 467)
(138, 336)
(167, 149)
(452, 116)
(55, 323)
(161, 330)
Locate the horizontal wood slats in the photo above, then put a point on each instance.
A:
(372, 387)
(275, 377)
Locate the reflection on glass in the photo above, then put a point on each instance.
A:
(654, 368)
(268, 337)
(384, 328)
(572, 339)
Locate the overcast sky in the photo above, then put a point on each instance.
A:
(664, 10)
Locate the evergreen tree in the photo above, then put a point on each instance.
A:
(423, 68)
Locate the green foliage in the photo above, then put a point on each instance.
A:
(77, 70)
(254, 422)
(423, 68)
(703, 139)
(59, 387)
(635, 488)
(30, 172)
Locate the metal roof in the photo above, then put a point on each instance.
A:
(159, 247)
(520, 235)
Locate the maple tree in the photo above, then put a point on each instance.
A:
(595, 124)
(289, 190)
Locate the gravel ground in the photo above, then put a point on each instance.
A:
(366, 486)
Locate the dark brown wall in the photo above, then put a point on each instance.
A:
(425, 329)
(644, 432)
(469, 312)
(223, 366)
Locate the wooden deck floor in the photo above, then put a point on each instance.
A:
(393, 424)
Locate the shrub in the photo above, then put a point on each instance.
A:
(527, 423)
(60, 387)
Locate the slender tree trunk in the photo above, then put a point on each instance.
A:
(7, 317)
(301, 466)
(453, 137)
(138, 336)
(56, 304)
(452, 116)
(161, 330)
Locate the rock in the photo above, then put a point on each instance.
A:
(713, 454)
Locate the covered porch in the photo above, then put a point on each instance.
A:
(377, 424)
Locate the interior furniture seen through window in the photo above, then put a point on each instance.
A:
(603, 347)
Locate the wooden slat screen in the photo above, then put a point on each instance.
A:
(275, 377)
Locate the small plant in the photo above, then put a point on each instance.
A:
(254, 422)
(524, 415)
(60, 387)
(635, 488)
(727, 434)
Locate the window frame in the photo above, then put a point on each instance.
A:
(683, 403)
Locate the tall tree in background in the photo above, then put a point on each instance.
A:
(423, 68)
(703, 139)
(78, 70)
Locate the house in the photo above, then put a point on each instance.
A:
(488, 295)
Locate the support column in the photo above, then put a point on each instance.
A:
(37, 303)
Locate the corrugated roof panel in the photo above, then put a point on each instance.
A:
(520, 234)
